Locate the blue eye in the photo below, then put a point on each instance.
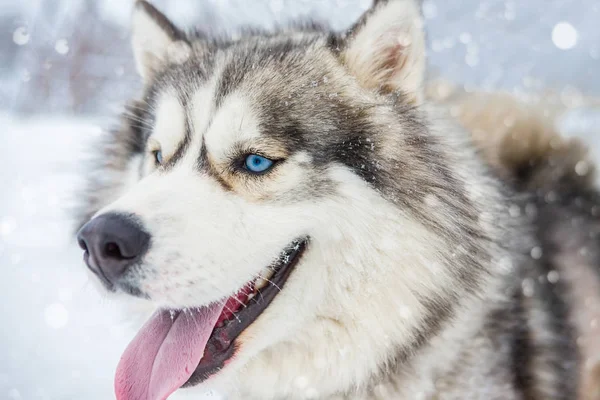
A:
(158, 157)
(257, 164)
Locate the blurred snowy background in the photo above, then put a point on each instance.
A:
(66, 68)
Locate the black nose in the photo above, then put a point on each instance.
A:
(112, 243)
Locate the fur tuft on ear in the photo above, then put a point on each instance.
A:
(155, 41)
(386, 49)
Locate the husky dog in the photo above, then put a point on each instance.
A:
(308, 224)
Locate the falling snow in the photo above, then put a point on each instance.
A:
(582, 168)
(553, 276)
(510, 45)
(21, 36)
(564, 36)
(514, 210)
(527, 287)
(7, 226)
(62, 46)
(536, 253)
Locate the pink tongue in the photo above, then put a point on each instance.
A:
(165, 353)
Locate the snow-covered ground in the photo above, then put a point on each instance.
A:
(60, 338)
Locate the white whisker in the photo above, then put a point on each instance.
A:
(231, 311)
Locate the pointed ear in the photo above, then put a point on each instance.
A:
(155, 41)
(385, 50)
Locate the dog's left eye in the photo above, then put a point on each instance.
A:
(257, 164)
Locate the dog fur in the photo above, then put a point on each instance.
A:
(446, 235)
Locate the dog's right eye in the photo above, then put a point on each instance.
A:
(158, 157)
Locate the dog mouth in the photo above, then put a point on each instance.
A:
(182, 348)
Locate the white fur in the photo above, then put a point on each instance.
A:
(201, 109)
(168, 131)
(367, 260)
(234, 123)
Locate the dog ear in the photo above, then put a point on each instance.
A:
(385, 50)
(155, 41)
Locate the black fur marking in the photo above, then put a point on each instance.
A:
(231, 77)
(335, 43)
(253, 57)
(133, 290)
(521, 348)
(553, 221)
(204, 164)
(179, 153)
(564, 357)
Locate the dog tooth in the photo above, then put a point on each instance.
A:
(251, 295)
(260, 283)
(267, 273)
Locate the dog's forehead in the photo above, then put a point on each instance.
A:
(233, 123)
(199, 120)
(269, 64)
(281, 92)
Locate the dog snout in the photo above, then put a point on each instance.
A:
(112, 243)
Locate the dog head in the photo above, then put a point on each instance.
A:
(282, 203)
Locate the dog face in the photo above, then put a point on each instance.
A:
(279, 180)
